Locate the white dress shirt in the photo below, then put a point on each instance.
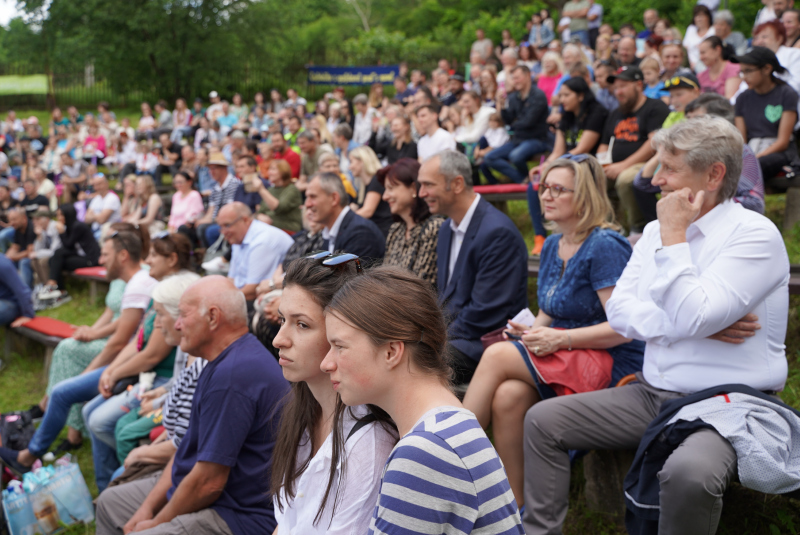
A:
(330, 234)
(734, 262)
(366, 453)
(441, 140)
(459, 231)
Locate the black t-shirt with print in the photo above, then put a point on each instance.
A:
(762, 113)
(630, 131)
(593, 120)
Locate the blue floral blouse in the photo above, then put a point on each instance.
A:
(569, 294)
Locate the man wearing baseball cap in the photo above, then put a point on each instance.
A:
(630, 126)
(216, 104)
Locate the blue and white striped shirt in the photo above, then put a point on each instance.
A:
(445, 477)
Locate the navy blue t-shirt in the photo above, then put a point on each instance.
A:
(234, 423)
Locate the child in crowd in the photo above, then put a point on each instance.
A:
(47, 241)
(495, 136)
(653, 87)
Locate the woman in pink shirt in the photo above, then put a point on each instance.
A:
(95, 144)
(187, 205)
(721, 76)
(552, 68)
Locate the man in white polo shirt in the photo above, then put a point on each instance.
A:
(435, 139)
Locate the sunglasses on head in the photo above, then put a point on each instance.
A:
(673, 82)
(333, 261)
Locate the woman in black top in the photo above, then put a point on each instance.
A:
(400, 145)
(582, 122)
(78, 246)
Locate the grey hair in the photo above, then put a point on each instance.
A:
(307, 135)
(231, 304)
(361, 98)
(713, 104)
(725, 16)
(343, 130)
(510, 52)
(452, 164)
(169, 291)
(706, 141)
(325, 156)
(330, 184)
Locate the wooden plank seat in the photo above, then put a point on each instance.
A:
(46, 331)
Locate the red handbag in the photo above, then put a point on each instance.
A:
(493, 337)
(573, 371)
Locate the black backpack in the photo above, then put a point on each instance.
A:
(16, 429)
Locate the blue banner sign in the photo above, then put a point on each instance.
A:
(384, 74)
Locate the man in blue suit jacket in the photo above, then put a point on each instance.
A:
(344, 230)
(482, 259)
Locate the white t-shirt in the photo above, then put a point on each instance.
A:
(109, 202)
(44, 189)
(366, 453)
(138, 291)
(439, 141)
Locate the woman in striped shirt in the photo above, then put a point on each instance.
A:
(328, 458)
(388, 337)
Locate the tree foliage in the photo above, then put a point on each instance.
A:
(187, 47)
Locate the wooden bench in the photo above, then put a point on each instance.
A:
(95, 276)
(42, 330)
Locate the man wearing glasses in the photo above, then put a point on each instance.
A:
(257, 249)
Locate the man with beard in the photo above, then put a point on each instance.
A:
(121, 255)
(631, 126)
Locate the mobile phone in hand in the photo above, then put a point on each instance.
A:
(512, 336)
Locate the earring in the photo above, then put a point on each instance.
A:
(414, 196)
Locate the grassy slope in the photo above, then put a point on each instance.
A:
(22, 383)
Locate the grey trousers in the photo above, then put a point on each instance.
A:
(692, 481)
(117, 505)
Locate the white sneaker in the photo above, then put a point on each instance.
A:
(216, 265)
(49, 292)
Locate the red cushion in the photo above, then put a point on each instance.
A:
(50, 327)
(97, 271)
(501, 188)
(156, 432)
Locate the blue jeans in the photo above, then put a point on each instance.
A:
(535, 210)
(101, 416)
(79, 389)
(512, 159)
(212, 234)
(25, 271)
(9, 311)
(583, 35)
(6, 238)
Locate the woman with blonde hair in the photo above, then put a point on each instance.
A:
(369, 203)
(488, 82)
(322, 125)
(552, 71)
(580, 266)
(149, 209)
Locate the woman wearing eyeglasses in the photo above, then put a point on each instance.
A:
(388, 342)
(328, 458)
(579, 267)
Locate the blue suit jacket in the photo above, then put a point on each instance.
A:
(490, 279)
(359, 236)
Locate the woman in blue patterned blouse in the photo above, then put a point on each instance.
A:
(579, 268)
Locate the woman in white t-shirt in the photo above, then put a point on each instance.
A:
(328, 458)
(700, 28)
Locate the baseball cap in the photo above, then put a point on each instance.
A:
(760, 56)
(628, 73)
(687, 81)
(213, 94)
(457, 77)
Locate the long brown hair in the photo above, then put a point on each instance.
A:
(301, 411)
(389, 303)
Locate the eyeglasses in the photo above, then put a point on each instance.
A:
(334, 261)
(745, 72)
(555, 190)
(674, 82)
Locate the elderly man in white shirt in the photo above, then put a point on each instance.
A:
(700, 281)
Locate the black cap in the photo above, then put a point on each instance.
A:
(198, 99)
(687, 81)
(760, 56)
(457, 77)
(628, 73)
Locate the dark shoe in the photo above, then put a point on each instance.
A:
(65, 447)
(9, 458)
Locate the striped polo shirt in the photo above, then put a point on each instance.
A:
(445, 477)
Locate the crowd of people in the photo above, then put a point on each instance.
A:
(286, 329)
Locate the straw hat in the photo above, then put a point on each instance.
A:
(217, 158)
